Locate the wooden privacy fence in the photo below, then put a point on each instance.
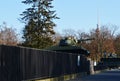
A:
(19, 63)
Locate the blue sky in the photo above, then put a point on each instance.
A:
(74, 14)
(10, 13)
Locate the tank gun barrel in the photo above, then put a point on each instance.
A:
(80, 40)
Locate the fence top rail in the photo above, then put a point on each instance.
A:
(44, 50)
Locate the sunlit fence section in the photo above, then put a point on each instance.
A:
(20, 64)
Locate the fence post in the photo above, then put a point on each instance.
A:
(90, 66)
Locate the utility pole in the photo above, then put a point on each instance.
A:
(98, 36)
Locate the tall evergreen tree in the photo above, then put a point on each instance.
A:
(39, 23)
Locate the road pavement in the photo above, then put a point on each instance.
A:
(111, 75)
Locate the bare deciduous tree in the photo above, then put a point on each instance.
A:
(117, 44)
(69, 33)
(56, 38)
(103, 42)
(8, 36)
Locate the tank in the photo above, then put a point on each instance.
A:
(69, 45)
